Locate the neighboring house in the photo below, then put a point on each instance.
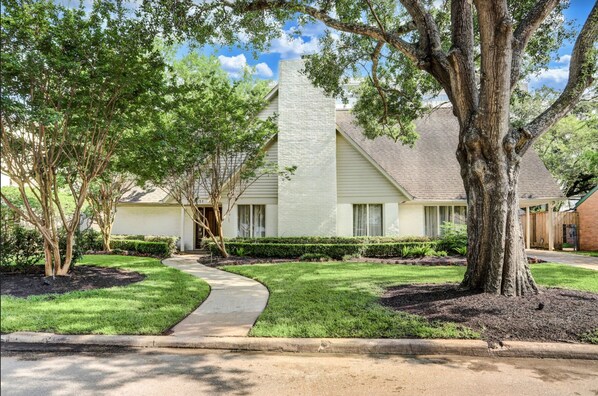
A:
(587, 207)
(345, 184)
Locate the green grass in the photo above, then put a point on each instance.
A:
(588, 253)
(341, 299)
(151, 306)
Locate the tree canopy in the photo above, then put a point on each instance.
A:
(73, 80)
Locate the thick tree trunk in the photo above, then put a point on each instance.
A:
(496, 259)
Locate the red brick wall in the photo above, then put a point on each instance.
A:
(588, 223)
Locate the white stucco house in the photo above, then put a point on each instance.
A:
(345, 184)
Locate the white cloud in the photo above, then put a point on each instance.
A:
(293, 47)
(564, 60)
(234, 65)
(552, 77)
(263, 70)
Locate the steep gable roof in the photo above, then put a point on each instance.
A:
(429, 171)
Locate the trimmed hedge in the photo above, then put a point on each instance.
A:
(150, 245)
(336, 251)
(330, 240)
(160, 249)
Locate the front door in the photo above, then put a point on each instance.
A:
(200, 233)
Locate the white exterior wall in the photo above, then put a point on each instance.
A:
(154, 220)
(307, 203)
(391, 219)
(344, 220)
(411, 220)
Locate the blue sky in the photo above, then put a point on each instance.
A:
(289, 47)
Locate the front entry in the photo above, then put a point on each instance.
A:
(200, 233)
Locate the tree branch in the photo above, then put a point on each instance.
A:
(461, 59)
(392, 38)
(582, 69)
(524, 32)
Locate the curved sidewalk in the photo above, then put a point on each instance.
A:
(232, 307)
(572, 259)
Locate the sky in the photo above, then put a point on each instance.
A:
(234, 59)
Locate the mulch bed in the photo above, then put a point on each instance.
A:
(83, 277)
(553, 315)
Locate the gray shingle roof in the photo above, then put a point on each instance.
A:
(149, 194)
(429, 170)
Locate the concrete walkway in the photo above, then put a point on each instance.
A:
(232, 307)
(575, 260)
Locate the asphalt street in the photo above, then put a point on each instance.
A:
(193, 372)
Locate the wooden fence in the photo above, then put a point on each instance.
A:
(565, 226)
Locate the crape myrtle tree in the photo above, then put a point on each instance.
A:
(477, 51)
(103, 196)
(209, 144)
(72, 80)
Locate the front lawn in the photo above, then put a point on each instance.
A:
(342, 299)
(588, 253)
(151, 306)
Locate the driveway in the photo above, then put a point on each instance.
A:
(575, 260)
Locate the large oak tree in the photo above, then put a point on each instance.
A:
(476, 51)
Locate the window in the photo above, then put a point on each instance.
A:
(367, 220)
(252, 221)
(435, 216)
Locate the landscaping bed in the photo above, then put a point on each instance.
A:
(553, 315)
(33, 282)
(150, 306)
(345, 299)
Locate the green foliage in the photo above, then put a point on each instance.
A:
(342, 299)
(461, 250)
(151, 306)
(332, 240)
(343, 54)
(312, 257)
(334, 250)
(20, 246)
(453, 237)
(570, 148)
(150, 245)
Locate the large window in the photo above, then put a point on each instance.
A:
(367, 220)
(435, 216)
(252, 221)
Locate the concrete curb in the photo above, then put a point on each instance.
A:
(520, 349)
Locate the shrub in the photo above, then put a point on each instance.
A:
(23, 246)
(170, 241)
(314, 257)
(90, 239)
(461, 250)
(331, 240)
(158, 249)
(453, 236)
(335, 251)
